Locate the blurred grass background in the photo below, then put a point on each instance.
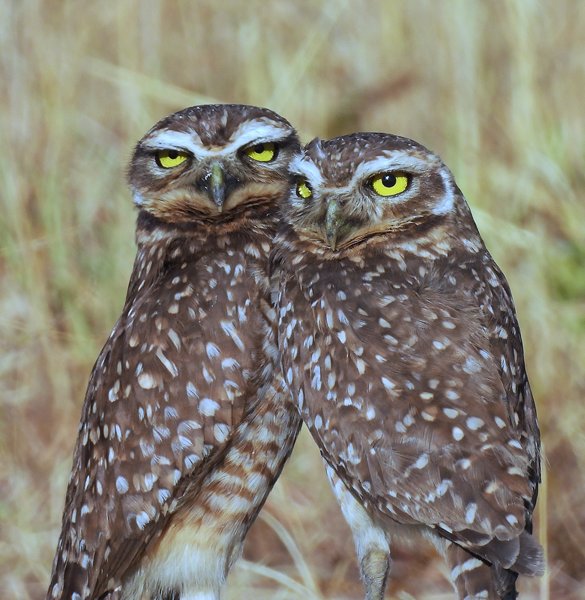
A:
(496, 88)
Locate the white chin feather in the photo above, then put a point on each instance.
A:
(138, 198)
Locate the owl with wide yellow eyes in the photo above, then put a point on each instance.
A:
(185, 427)
(401, 348)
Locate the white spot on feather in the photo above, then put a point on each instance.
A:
(169, 365)
(470, 512)
(146, 381)
(221, 432)
(457, 433)
(230, 330)
(212, 350)
(422, 461)
(474, 423)
(142, 519)
(192, 390)
(121, 485)
(208, 407)
(388, 384)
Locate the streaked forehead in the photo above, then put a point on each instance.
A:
(342, 159)
(217, 126)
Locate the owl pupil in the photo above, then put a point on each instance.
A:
(173, 154)
(259, 148)
(388, 180)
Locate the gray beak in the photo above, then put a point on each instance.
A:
(217, 188)
(217, 184)
(333, 220)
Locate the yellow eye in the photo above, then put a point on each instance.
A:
(389, 184)
(262, 152)
(167, 159)
(304, 190)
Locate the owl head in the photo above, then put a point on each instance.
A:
(212, 161)
(366, 187)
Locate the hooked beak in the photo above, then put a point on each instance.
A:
(333, 220)
(217, 184)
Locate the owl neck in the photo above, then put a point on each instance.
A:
(259, 220)
(434, 254)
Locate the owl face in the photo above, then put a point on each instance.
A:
(351, 189)
(211, 161)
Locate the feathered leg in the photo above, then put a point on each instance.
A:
(371, 543)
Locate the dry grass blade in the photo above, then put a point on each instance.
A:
(161, 91)
(309, 50)
(294, 551)
(300, 591)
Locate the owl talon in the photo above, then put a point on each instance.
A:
(375, 566)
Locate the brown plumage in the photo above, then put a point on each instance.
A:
(184, 428)
(402, 350)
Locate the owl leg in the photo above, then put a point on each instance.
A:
(473, 578)
(371, 543)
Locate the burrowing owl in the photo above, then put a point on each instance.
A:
(184, 429)
(401, 347)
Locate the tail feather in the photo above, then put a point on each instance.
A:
(493, 568)
(505, 582)
(530, 559)
(472, 577)
(523, 554)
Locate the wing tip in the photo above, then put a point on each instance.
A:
(530, 559)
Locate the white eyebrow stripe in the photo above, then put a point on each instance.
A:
(394, 162)
(446, 204)
(258, 131)
(180, 140)
(400, 162)
(308, 169)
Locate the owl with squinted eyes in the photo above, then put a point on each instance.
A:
(401, 348)
(185, 426)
